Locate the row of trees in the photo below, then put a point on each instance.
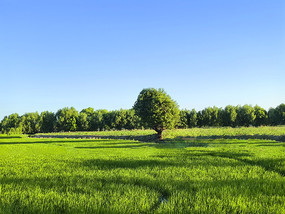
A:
(233, 116)
(69, 119)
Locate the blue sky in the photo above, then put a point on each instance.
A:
(101, 54)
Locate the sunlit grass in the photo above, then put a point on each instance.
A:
(185, 175)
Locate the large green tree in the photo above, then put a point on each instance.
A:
(157, 110)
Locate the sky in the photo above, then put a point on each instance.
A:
(101, 54)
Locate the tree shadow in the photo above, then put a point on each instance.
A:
(9, 137)
(48, 142)
(166, 189)
(126, 164)
(119, 146)
(76, 183)
(268, 164)
(237, 137)
(142, 138)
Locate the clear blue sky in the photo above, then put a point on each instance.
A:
(101, 54)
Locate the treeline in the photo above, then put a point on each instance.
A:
(233, 116)
(69, 119)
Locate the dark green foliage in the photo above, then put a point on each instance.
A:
(199, 119)
(97, 120)
(133, 121)
(47, 122)
(11, 124)
(67, 119)
(30, 123)
(272, 117)
(245, 115)
(82, 122)
(184, 117)
(108, 120)
(85, 119)
(192, 119)
(260, 116)
(229, 115)
(157, 110)
(210, 116)
(280, 112)
(120, 119)
(124, 119)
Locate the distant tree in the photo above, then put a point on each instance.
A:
(109, 120)
(184, 117)
(229, 116)
(119, 119)
(192, 119)
(245, 115)
(67, 119)
(30, 123)
(97, 120)
(133, 121)
(89, 111)
(82, 122)
(280, 111)
(215, 116)
(11, 124)
(157, 110)
(210, 116)
(260, 116)
(272, 117)
(47, 122)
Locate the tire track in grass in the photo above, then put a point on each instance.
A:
(163, 199)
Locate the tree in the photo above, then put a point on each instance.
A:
(260, 116)
(210, 116)
(229, 116)
(192, 119)
(82, 122)
(245, 115)
(272, 117)
(200, 119)
(157, 110)
(47, 122)
(67, 119)
(97, 120)
(30, 123)
(133, 121)
(11, 124)
(183, 122)
(280, 111)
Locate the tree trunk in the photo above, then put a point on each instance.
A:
(159, 133)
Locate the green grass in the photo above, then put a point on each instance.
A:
(193, 171)
(274, 132)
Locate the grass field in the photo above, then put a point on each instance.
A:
(220, 170)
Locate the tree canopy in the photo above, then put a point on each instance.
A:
(157, 110)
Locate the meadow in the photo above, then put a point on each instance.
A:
(206, 170)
